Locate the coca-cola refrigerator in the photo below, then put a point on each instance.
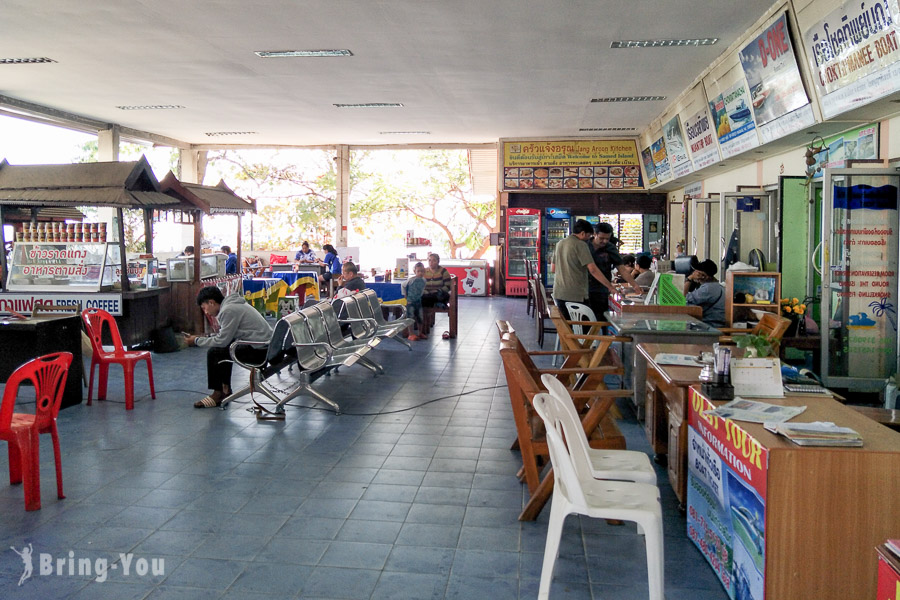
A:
(523, 242)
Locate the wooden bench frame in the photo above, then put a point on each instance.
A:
(451, 308)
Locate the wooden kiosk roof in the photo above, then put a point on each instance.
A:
(216, 199)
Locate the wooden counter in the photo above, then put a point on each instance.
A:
(815, 514)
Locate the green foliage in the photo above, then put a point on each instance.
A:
(761, 344)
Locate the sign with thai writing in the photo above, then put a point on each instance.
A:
(23, 303)
(661, 160)
(675, 147)
(727, 471)
(649, 167)
(571, 164)
(701, 139)
(853, 54)
(735, 127)
(771, 69)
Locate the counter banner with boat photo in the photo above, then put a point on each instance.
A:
(661, 160)
(701, 139)
(727, 470)
(649, 167)
(679, 161)
(571, 165)
(855, 144)
(735, 127)
(853, 54)
(770, 66)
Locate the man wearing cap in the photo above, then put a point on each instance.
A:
(701, 289)
(572, 265)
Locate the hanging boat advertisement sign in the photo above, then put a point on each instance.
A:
(853, 54)
(701, 139)
(675, 147)
(661, 160)
(571, 165)
(735, 127)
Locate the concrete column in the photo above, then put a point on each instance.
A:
(342, 199)
(192, 165)
(108, 151)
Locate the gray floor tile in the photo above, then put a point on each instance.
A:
(410, 586)
(355, 555)
(332, 582)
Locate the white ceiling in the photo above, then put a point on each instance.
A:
(468, 71)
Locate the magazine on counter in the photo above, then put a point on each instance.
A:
(816, 434)
(752, 411)
(680, 360)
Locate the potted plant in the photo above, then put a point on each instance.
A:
(755, 346)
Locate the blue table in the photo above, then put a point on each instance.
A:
(388, 293)
(263, 292)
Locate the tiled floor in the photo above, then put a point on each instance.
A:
(417, 504)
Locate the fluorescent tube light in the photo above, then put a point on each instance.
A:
(629, 99)
(663, 43)
(370, 105)
(301, 53)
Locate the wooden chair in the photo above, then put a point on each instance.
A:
(543, 307)
(771, 325)
(592, 399)
(529, 273)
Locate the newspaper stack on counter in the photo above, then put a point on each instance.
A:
(816, 434)
(752, 411)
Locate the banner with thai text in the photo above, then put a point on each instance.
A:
(853, 54)
(23, 303)
(727, 470)
(735, 127)
(661, 160)
(701, 139)
(571, 164)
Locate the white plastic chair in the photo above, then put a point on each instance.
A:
(577, 312)
(624, 465)
(576, 491)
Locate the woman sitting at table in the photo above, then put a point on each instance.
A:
(332, 263)
(304, 256)
(702, 289)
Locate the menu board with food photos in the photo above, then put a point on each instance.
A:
(571, 165)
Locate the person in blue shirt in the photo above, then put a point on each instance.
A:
(332, 263)
(231, 261)
(702, 289)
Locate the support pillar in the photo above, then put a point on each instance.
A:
(342, 198)
(192, 169)
(108, 151)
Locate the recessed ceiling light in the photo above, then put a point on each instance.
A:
(663, 43)
(629, 99)
(220, 133)
(301, 53)
(404, 133)
(607, 129)
(26, 61)
(370, 105)
(150, 107)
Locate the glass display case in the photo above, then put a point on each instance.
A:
(143, 273)
(58, 266)
(182, 268)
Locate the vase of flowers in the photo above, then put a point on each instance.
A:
(794, 310)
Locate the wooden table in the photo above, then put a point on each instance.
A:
(791, 521)
(657, 328)
(22, 340)
(665, 408)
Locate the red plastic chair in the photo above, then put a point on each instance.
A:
(21, 430)
(94, 319)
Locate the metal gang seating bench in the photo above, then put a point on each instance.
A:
(365, 306)
(292, 344)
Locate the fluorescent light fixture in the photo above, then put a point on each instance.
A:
(301, 53)
(404, 133)
(663, 43)
(607, 129)
(370, 105)
(26, 61)
(629, 99)
(150, 107)
(221, 133)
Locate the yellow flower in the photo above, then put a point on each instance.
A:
(788, 309)
(803, 306)
(785, 301)
(794, 301)
(798, 310)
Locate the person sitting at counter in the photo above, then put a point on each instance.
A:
(627, 263)
(350, 279)
(231, 261)
(304, 256)
(702, 289)
(643, 275)
(237, 321)
(332, 263)
(188, 251)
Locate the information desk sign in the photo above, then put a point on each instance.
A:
(726, 498)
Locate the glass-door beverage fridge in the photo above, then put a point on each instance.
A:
(556, 226)
(523, 233)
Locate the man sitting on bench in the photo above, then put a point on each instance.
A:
(237, 321)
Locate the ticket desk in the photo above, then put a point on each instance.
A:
(780, 521)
